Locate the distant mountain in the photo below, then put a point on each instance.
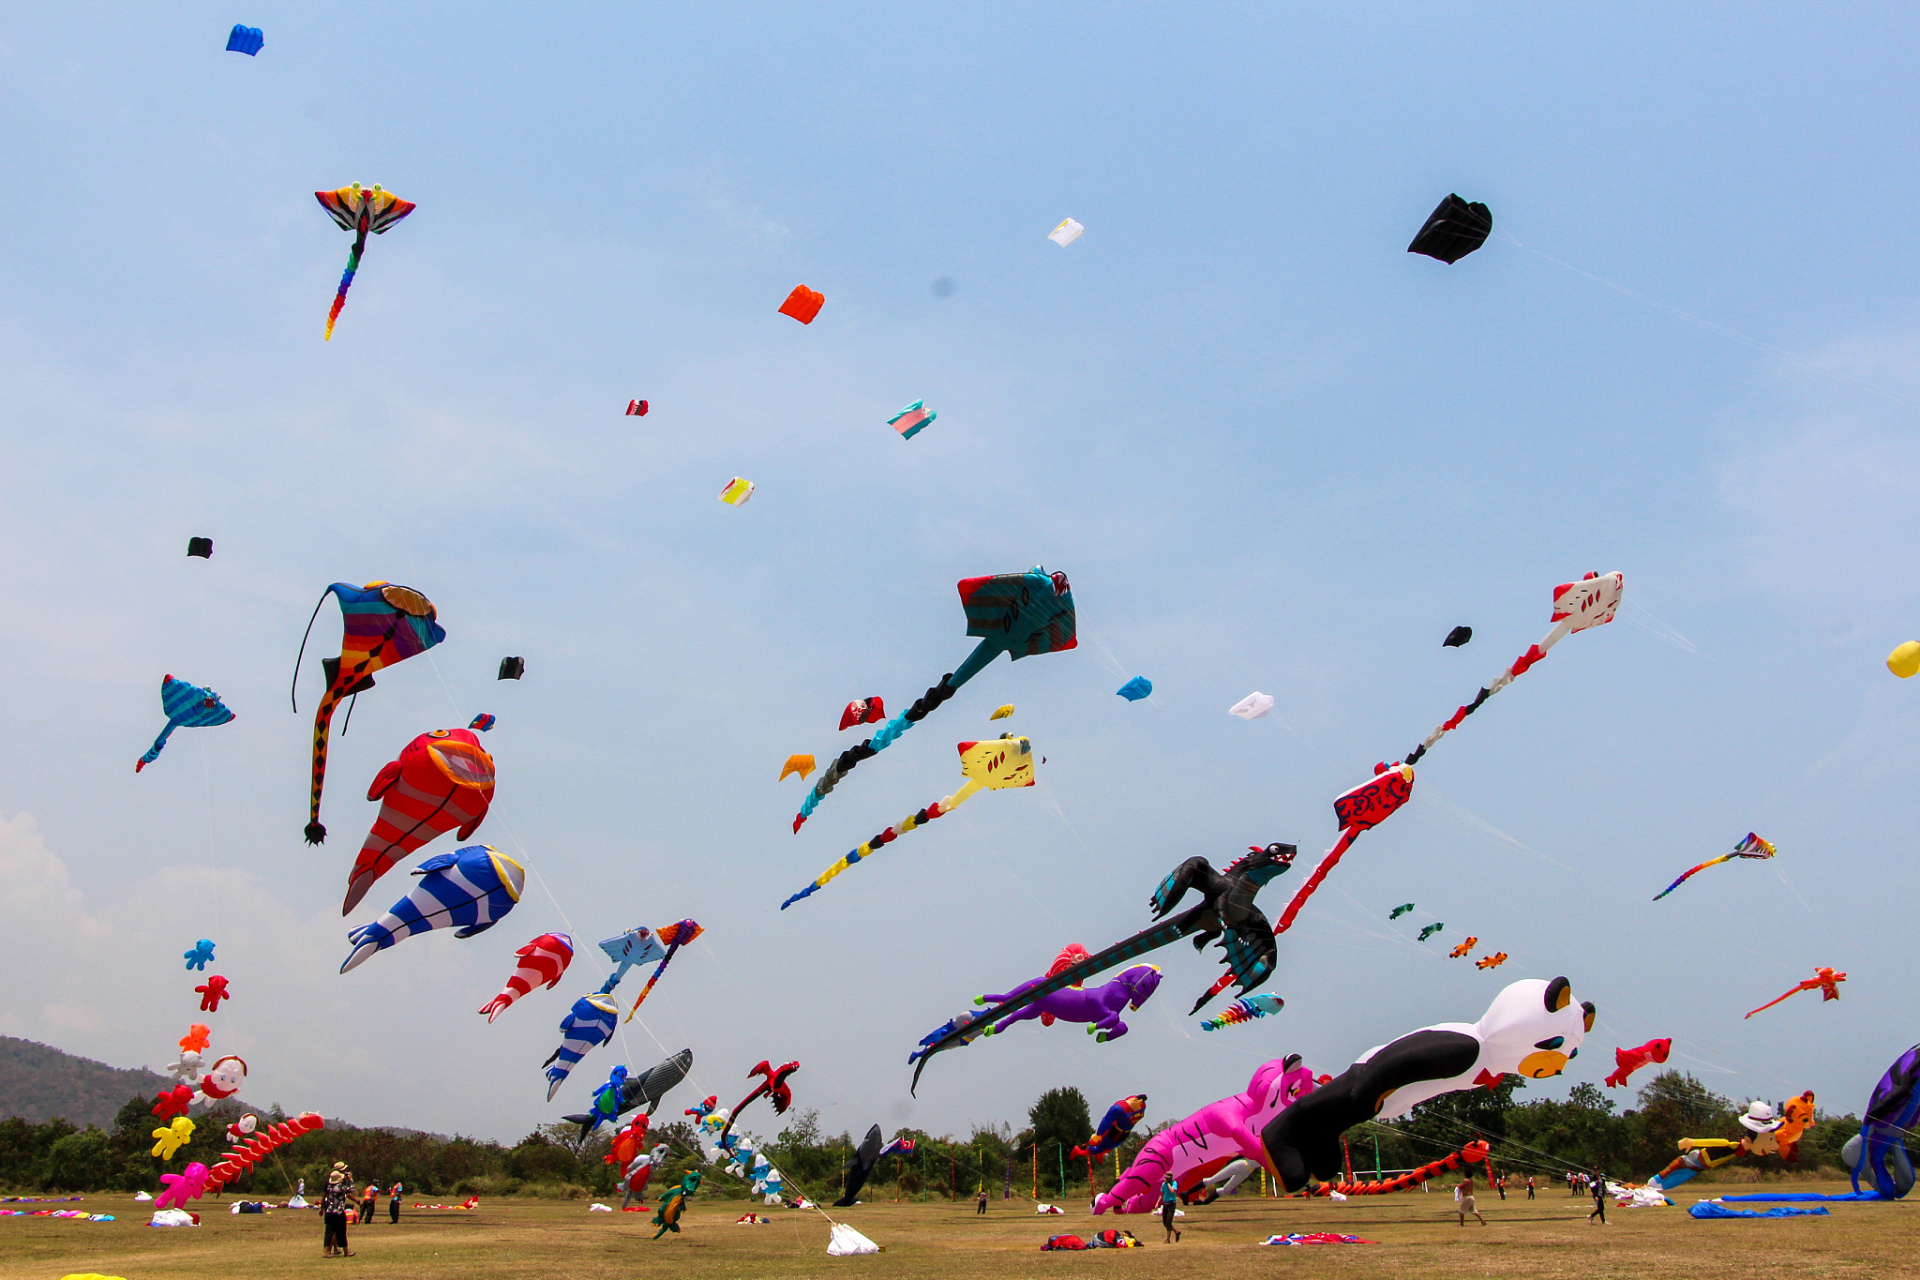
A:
(39, 1082)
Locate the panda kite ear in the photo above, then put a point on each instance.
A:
(1586, 1007)
(1559, 995)
(1289, 1062)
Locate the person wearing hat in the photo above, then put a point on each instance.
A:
(335, 1203)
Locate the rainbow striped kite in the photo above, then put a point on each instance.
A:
(1752, 847)
(359, 210)
(1245, 1009)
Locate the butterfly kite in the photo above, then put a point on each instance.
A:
(359, 210)
(188, 705)
(1018, 614)
(1824, 980)
(993, 765)
(1752, 847)
(382, 624)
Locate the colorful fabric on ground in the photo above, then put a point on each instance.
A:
(1315, 1237)
(1708, 1209)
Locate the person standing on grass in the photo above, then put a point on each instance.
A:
(1529, 1186)
(1501, 1186)
(1463, 1201)
(981, 1203)
(393, 1204)
(1169, 1195)
(335, 1203)
(368, 1201)
(1598, 1184)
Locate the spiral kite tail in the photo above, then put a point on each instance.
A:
(340, 298)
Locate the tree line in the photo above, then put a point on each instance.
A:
(1543, 1138)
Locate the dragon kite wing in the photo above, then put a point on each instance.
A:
(993, 765)
(442, 781)
(1227, 908)
(1018, 614)
(184, 705)
(383, 624)
(359, 210)
(1752, 847)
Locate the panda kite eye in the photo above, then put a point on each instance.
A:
(1552, 1042)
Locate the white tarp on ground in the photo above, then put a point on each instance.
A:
(846, 1241)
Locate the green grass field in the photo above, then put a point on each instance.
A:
(562, 1240)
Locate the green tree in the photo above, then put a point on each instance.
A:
(1060, 1122)
(80, 1162)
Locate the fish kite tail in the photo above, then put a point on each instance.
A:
(153, 752)
(366, 940)
(889, 732)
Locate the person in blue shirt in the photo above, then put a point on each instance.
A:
(1169, 1196)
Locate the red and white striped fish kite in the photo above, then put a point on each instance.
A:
(442, 780)
(544, 960)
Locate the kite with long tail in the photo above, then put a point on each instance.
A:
(773, 1084)
(1591, 602)
(1752, 847)
(676, 936)
(382, 624)
(1824, 980)
(359, 210)
(1018, 614)
(1226, 911)
(993, 765)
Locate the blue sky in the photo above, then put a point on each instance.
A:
(1271, 449)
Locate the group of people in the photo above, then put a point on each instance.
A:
(337, 1203)
(1595, 1182)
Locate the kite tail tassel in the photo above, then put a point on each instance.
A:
(340, 298)
(315, 833)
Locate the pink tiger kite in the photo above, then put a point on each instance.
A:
(544, 960)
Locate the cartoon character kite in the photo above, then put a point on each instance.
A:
(1432, 929)
(201, 953)
(382, 624)
(443, 780)
(994, 765)
(471, 888)
(360, 211)
(184, 705)
(1752, 847)
(1824, 980)
(1019, 614)
(644, 1090)
(1465, 948)
(1493, 961)
(212, 992)
(1114, 1128)
(542, 961)
(1226, 912)
(1399, 911)
(772, 1086)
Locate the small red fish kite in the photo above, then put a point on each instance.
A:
(1628, 1061)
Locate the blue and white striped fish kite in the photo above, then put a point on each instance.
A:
(184, 704)
(588, 1025)
(471, 888)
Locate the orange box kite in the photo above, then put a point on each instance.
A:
(803, 304)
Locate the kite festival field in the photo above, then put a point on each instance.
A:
(562, 1240)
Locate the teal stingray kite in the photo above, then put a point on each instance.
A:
(184, 704)
(1018, 614)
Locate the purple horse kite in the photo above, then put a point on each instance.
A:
(1099, 1007)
